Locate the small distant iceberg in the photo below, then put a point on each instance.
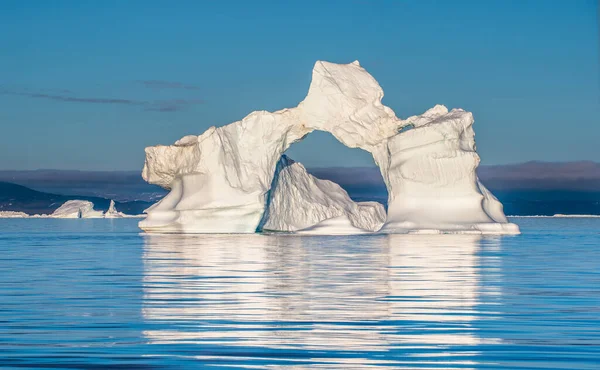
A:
(112, 211)
(575, 216)
(558, 215)
(13, 214)
(74, 209)
(77, 209)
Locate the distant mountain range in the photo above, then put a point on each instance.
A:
(121, 186)
(19, 198)
(535, 175)
(532, 188)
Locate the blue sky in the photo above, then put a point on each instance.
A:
(89, 84)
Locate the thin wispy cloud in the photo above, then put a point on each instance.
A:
(74, 99)
(159, 84)
(172, 105)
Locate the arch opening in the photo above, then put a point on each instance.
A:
(354, 169)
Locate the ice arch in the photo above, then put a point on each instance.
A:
(223, 180)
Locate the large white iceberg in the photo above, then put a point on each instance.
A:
(225, 180)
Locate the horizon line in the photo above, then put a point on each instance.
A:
(308, 167)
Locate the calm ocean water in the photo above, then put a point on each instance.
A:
(98, 294)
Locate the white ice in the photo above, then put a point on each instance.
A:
(300, 201)
(77, 209)
(221, 181)
(112, 211)
(73, 209)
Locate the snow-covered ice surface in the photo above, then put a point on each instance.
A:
(225, 180)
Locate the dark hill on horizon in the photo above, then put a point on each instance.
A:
(538, 175)
(19, 198)
(533, 175)
(117, 185)
(525, 189)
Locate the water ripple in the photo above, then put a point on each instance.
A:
(98, 294)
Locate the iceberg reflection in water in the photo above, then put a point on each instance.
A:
(391, 299)
(95, 293)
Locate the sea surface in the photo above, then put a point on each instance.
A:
(99, 294)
